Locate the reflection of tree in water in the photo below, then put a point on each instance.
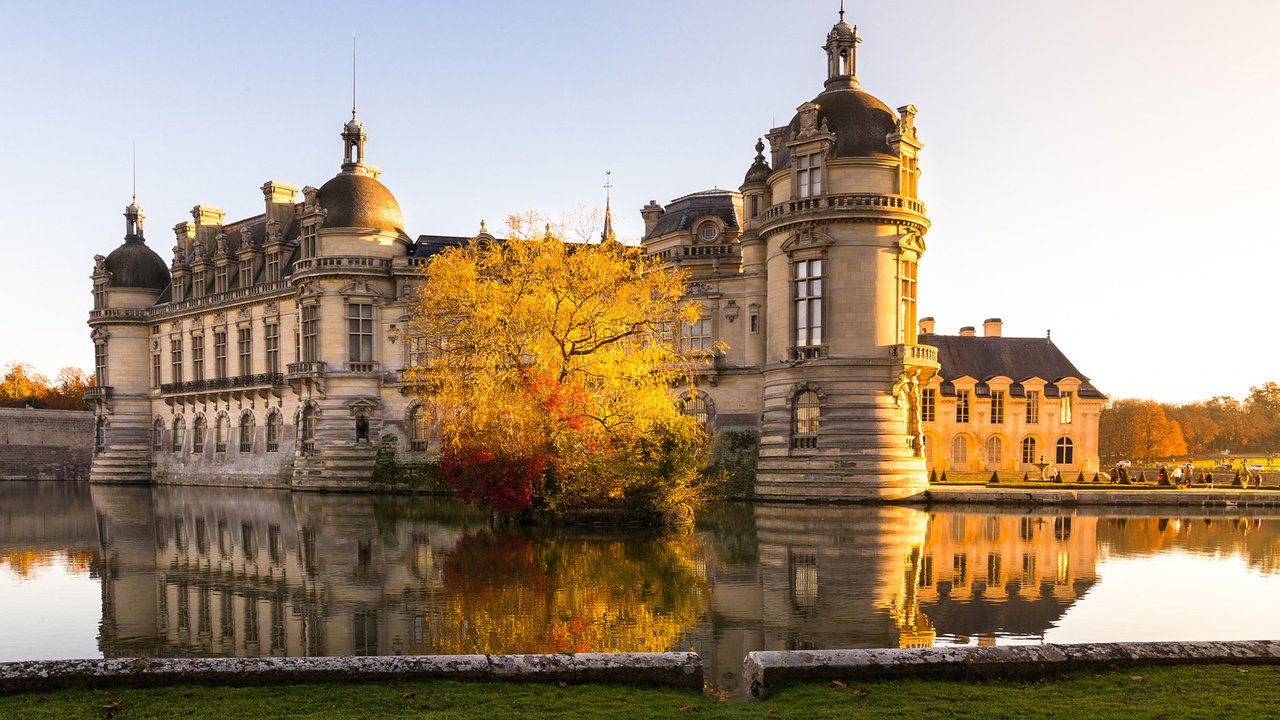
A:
(513, 594)
(1256, 539)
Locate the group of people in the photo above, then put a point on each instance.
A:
(1185, 474)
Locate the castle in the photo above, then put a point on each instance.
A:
(808, 274)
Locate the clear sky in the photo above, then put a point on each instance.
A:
(1101, 168)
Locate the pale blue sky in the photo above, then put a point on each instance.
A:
(1103, 168)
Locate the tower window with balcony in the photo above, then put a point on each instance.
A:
(805, 414)
(175, 358)
(220, 354)
(908, 302)
(962, 406)
(244, 343)
(310, 348)
(1065, 408)
(360, 332)
(928, 405)
(809, 175)
(808, 301)
(272, 333)
(100, 364)
(197, 357)
(1033, 407)
(997, 407)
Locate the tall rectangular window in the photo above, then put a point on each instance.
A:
(696, 336)
(1033, 407)
(175, 358)
(155, 370)
(197, 357)
(997, 407)
(244, 343)
(197, 285)
(177, 289)
(100, 364)
(310, 348)
(308, 241)
(273, 266)
(809, 175)
(273, 347)
(220, 354)
(220, 279)
(1064, 416)
(99, 295)
(962, 406)
(808, 303)
(360, 332)
(907, 319)
(246, 273)
(928, 405)
(417, 350)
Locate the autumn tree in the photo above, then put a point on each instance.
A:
(549, 369)
(23, 386)
(1138, 429)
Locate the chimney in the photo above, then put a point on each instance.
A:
(208, 222)
(926, 326)
(279, 200)
(651, 213)
(991, 327)
(968, 331)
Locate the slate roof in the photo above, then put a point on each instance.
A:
(683, 212)
(860, 122)
(983, 358)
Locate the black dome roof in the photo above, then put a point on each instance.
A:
(356, 200)
(134, 265)
(860, 122)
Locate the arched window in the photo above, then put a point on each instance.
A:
(246, 432)
(696, 407)
(308, 430)
(274, 425)
(222, 427)
(1066, 451)
(179, 434)
(197, 434)
(157, 435)
(421, 427)
(959, 452)
(1028, 450)
(995, 450)
(805, 415)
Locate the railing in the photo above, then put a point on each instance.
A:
(830, 202)
(362, 367)
(809, 442)
(807, 352)
(97, 392)
(104, 313)
(224, 383)
(220, 298)
(410, 262)
(341, 262)
(695, 251)
(305, 369)
(918, 353)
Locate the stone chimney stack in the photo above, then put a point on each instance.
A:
(208, 222)
(968, 331)
(279, 199)
(926, 326)
(991, 327)
(651, 213)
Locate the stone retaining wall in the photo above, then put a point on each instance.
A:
(671, 669)
(45, 444)
(765, 669)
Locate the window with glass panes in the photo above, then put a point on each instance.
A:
(805, 417)
(1065, 408)
(1033, 407)
(997, 407)
(273, 266)
(220, 354)
(360, 332)
(274, 425)
(221, 427)
(197, 434)
(179, 434)
(100, 364)
(220, 279)
(246, 273)
(310, 348)
(1066, 451)
(244, 344)
(99, 295)
(246, 432)
(809, 175)
(1028, 450)
(417, 351)
(928, 405)
(808, 299)
(197, 285)
(695, 337)
(272, 335)
(175, 358)
(155, 370)
(308, 241)
(908, 302)
(962, 406)
(197, 357)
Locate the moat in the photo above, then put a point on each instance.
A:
(111, 571)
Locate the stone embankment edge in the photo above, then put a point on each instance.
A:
(669, 669)
(763, 670)
(995, 496)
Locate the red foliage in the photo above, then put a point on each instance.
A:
(561, 404)
(485, 479)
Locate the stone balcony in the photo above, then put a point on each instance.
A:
(341, 264)
(237, 382)
(97, 392)
(895, 207)
(300, 370)
(925, 356)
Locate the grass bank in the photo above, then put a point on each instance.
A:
(1185, 691)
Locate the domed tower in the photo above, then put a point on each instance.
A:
(351, 230)
(839, 231)
(125, 283)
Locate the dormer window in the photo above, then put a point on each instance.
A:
(708, 232)
(809, 175)
(273, 266)
(220, 279)
(246, 273)
(309, 241)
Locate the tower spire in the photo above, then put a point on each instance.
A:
(842, 54)
(607, 235)
(353, 136)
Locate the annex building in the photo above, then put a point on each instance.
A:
(269, 350)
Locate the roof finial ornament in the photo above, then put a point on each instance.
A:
(841, 10)
(135, 172)
(353, 75)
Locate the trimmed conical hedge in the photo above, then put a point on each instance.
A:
(995, 478)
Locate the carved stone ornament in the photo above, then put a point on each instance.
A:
(175, 326)
(220, 249)
(359, 288)
(807, 237)
(731, 310)
(698, 289)
(178, 256)
(197, 323)
(271, 308)
(808, 114)
(99, 265)
(273, 231)
(310, 290)
(246, 239)
(200, 253)
(99, 335)
(309, 198)
(220, 318)
(155, 345)
(242, 313)
(907, 121)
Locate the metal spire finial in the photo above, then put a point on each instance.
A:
(353, 75)
(608, 186)
(841, 10)
(135, 172)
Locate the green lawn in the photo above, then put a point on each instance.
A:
(1217, 691)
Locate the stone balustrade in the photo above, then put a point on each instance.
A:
(305, 369)
(224, 383)
(341, 263)
(843, 202)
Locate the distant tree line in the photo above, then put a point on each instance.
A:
(1144, 430)
(22, 386)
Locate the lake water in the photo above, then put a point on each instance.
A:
(118, 572)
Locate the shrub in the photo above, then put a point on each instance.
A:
(1095, 477)
(1026, 477)
(732, 470)
(1142, 476)
(1080, 480)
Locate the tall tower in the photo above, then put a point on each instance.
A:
(839, 233)
(125, 283)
